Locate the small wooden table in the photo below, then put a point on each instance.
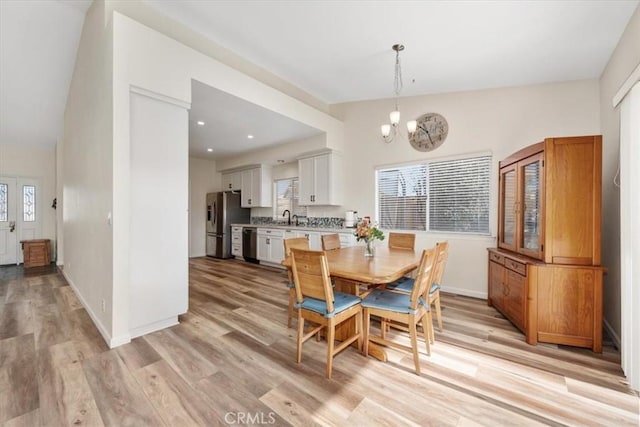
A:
(350, 268)
(36, 252)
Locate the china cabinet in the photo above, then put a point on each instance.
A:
(545, 276)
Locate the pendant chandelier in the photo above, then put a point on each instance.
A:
(389, 131)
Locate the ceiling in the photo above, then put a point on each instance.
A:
(229, 120)
(336, 51)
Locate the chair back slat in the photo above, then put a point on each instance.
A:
(424, 277)
(402, 241)
(295, 242)
(330, 241)
(441, 262)
(311, 276)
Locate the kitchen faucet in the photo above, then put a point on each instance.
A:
(287, 211)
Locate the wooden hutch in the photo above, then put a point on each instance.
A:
(545, 276)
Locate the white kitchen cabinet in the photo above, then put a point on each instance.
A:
(320, 178)
(232, 181)
(270, 245)
(256, 187)
(315, 244)
(347, 239)
(236, 241)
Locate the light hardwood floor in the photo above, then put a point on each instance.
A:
(232, 361)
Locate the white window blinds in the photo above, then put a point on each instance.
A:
(444, 196)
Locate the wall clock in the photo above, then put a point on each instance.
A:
(431, 131)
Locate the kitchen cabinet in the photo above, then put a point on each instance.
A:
(545, 276)
(315, 242)
(320, 178)
(232, 181)
(236, 241)
(256, 187)
(270, 245)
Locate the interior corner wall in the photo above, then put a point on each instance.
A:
(59, 202)
(625, 58)
(203, 179)
(88, 173)
(40, 163)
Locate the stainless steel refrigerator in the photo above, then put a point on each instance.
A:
(223, 209)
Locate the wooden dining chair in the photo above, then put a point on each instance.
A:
(402, 241)
(330, 241)
(299, 243)
(403, 311)
(318, 303)
(406, 284)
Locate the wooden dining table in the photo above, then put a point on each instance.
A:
(350, 269)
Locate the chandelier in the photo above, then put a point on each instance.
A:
(389, 131)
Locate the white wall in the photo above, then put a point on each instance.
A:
(159, 277)
(88, 172)
(203, 179)
(624, 59)
(40, 163)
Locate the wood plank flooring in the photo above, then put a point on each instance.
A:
(231, 361)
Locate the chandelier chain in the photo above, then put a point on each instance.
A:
(397, 83)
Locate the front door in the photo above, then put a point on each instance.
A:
(8, 232)
(20, 217)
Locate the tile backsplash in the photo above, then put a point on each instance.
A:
(320, 222)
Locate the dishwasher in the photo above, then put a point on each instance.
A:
(249, 244)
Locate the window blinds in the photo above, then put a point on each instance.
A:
(447, 196)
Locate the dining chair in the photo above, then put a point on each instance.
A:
(299, 243)
(318, 303)
(402, 241)
(406, 284)
(330, 241)
(403, 311)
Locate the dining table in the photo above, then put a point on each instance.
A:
(351, 270)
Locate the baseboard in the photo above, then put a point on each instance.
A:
(464, 292)
(612, 334)
(155, 326)
(111, 341)
(198, 255)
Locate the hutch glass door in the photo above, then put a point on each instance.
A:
(530, 206)
(508, 192)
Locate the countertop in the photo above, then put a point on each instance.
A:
(299, 227)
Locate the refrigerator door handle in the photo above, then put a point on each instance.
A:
(215, 214)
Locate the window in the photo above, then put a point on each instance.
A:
(29, 203)
(442, 196)
(286, 195)
(4, 203)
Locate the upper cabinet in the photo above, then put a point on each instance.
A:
(256, 187)
(232, 181)
(320, 178)
(549, 201)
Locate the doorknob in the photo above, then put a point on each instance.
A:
(12, 226)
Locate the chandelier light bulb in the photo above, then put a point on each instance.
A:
(394, 117)
(411, 126)
(386, 130)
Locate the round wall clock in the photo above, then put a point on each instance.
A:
(431, 131)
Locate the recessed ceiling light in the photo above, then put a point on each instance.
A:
(250, 136)
(280, 161)
(200, 123)
(210, 150)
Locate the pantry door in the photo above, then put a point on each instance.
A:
(8, 225)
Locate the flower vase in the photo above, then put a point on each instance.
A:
(368, 249)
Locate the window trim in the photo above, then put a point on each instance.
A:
(493, 210)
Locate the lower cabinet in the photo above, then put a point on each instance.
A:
(270, 245)
(560, 304)
(236, 241)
